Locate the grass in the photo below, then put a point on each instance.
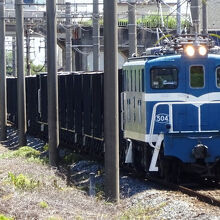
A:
(72, 158)
(26, 152)
(54, 218)
(78, 218)
(99, 189)
(141, 212)
(7, 197)
(43, 204)
(2, 217)
(46, 147)
(23, 182)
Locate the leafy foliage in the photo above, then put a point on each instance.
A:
(9, 59)
(23, 182)
(35, 69)
(150, 21)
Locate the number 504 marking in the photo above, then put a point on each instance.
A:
(162, 118)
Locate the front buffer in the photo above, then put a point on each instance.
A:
(197, 152)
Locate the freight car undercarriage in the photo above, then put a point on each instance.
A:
(80, 110)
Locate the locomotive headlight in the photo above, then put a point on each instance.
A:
(190, 50)
(202, 50)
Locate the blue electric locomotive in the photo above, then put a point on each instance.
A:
(171, 108)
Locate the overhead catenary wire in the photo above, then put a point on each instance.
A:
(83, 18)
(76, 23)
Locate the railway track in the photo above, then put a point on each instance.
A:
(207, 195)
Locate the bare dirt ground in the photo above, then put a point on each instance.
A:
(50, 199)
(30, 189)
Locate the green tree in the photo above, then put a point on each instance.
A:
(35, 69)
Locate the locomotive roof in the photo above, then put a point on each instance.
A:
(178, 57)
(139, 61)
(167, 58)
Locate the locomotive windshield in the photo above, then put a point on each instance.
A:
(164, 78)
(197, 77)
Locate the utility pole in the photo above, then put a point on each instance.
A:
(46, 54)
(68, 66)
(14, 57)
(96, 35)
(111, 110)
(204, 17)
(28, 52)
(195, 16)
(132, 27)
(3, 99)
(22, 126)
(178, 17)
(52, 83)
(45, 45)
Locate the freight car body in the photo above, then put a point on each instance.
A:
(80, 109)
(170, 112)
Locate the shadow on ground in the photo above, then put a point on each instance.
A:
(12, 140)
(83, 174)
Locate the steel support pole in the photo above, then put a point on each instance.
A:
(195, 16)
(204, 17)
(3, 99)
(22, 125)
(111, 111)
(96, 35)
(132, 27)
(68, 64)
(178, 17)
(28, 53)
(52, 83)
(14, 57)
(46, 54)
(45, 45)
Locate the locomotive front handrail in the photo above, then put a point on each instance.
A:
(197, 104)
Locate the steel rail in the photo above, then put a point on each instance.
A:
(201, 197)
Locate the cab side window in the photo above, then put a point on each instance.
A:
(164, 78)
(197, 77)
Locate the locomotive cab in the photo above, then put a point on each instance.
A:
(180, 112)
(185, 110)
